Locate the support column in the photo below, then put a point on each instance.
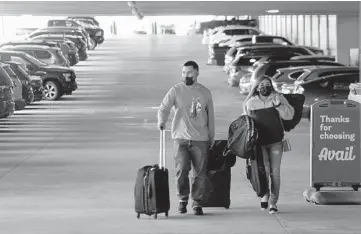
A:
(347, 36)
(154, 28)
(359, 40)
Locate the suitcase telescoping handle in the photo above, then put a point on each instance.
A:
(162, 150)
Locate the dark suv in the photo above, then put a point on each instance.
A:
(65, 49)
(31, 91)
(96, 34)
(46, 54)
(60, 30)
(77, 40)
(18, 96)
(57, 81)
(7, 104)
(67, 46)
(86, 19)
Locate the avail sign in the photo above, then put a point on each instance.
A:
(335, 142)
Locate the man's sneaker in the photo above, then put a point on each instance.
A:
(273, 210)
(182, 207)
(197, 210)
(264, 206)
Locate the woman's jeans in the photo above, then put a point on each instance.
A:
(272, 156)
(187, 154)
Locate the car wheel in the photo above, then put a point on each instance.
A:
(51, 91)
(93, 44)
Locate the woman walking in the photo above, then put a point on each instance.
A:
(267, 107)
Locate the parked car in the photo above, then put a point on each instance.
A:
(92, 19)
(77, 40)
(67, 47)
(233, 31)
(58, 80)
(46, 54)
(231, 47)
(255, 39)
(248, 55)
(64, 31)
(322, 82)
(30, 92)
(7, 104)
(95, 33)
(269, 68)
(17, 89)
(217, 55)
(94, 30)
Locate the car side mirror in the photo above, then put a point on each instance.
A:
(40, 73)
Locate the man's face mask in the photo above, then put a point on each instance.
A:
(265, 90)
(189, 80)
(189, 75)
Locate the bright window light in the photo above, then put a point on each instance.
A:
(273, 11)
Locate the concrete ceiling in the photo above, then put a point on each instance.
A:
(154, 8)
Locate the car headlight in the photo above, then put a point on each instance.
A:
(299, 90)
(245, 79)
(288, 88)
(32, 77)
(98, 34)
(67, 76)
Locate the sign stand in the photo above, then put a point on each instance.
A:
(335, 154)
(335, 144)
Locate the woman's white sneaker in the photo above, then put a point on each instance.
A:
(273, 210)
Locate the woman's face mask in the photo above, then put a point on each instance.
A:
(265, 90)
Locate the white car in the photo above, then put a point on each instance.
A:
(233, 32)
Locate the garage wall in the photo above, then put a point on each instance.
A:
(309, 30)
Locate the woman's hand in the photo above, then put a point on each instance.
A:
(277, 100)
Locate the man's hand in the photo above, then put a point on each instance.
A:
(161, 126)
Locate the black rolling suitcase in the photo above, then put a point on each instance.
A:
(219, 176)
(151, 189)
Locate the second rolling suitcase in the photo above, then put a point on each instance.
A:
(219, 176)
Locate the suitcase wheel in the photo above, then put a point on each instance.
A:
(166, 214)
(355, 187)
(155, 216)
(138, 215)
(227, 207)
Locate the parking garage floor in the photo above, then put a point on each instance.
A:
(69, 166)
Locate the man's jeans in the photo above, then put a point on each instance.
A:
(189, 153)
(272, 156)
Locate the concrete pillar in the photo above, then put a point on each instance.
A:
(359, 39)
(347, 36)
(154, 28)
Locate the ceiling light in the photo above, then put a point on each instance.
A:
(131, 3)
(273, 11)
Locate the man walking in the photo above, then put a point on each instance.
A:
(193, 133)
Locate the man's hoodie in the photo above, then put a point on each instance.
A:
(194, 114)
